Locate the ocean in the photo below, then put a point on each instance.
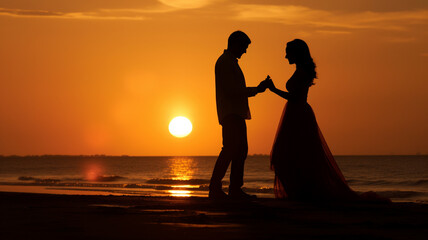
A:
(401, 178)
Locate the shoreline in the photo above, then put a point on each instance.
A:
(55, 216)
(396, 196)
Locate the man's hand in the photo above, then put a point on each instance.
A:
(264, 84)
(261, 87)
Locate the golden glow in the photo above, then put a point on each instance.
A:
(180, 127)
(93, 171)
(185, 3)
(185, 186)
(180, 193)
(181, 168)
(113, 86)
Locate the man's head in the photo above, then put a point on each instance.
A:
(238, 43)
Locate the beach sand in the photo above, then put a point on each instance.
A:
(49, 216)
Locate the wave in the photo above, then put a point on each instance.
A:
(108, 178)
(401, 194)
(178, 185)
(196, 181)
(409, 189)
(99, 178)
(39, 180)
(113, 178)
(258, 190)
(177, 181)
(422, 182)
(203, 188)
(419, 182)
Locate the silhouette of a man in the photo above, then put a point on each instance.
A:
(232, 110)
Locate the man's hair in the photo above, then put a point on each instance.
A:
(238, 38)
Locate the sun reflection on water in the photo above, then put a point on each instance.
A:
(185, 186)
(182, 169)
(93, 171)
(180, 193)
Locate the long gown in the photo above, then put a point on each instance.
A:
(305, 169)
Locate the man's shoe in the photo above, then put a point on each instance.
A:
(240, 195)
(217, 195)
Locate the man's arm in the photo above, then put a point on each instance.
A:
(252, 91)
(230, 87)
(248, 91)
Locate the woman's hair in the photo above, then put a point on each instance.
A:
(300, 51)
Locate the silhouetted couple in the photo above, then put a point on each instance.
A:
(305, 169)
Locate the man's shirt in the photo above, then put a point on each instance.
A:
(231, 91)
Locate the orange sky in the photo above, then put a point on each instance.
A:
(106, 77)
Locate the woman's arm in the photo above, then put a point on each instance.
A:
(283, 94)
(272, 88)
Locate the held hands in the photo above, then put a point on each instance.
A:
(267, 83)
(262, 86)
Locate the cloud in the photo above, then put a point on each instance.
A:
(99, 14)
(333, 32)
(347, 6)
(103, 10)
(160, 9)
(187, 4)
(300, 15)
(325, 21)
(21, 12)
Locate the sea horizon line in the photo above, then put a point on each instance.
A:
(163, 156)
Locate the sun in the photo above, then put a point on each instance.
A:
(180, 127)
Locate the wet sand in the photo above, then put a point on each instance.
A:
(52, 216)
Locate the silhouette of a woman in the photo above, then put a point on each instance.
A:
(305, 169)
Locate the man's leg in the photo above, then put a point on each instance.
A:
(239, 155)
(228, 153)
(238, 160)
(220, 169)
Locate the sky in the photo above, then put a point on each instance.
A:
(106, 77)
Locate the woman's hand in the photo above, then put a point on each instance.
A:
(269, 83)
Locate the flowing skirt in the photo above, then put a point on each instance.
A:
(305, 169)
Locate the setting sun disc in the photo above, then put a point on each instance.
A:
(180, 127)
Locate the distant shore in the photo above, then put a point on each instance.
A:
(52, 216)
(136, 156)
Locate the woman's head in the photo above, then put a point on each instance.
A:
(297, 52)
